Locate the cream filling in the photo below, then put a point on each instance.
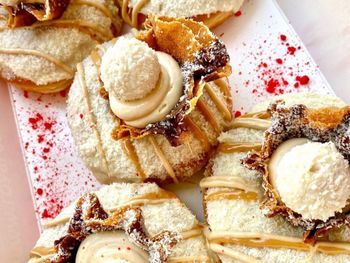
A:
(110, 247)
(187, 8)
(278, 155)
(155, 106)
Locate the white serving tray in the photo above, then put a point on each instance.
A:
(56, 174)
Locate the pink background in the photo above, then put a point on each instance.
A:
(324, 29)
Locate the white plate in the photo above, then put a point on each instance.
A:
(57, 175)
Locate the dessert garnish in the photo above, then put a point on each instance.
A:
(25, 13)
(304, 161)
(90, 223)
(155, 79)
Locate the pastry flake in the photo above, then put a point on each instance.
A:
(327, 125)
(90, 218)
(202, 58)
(22, 13)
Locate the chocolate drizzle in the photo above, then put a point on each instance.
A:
(90, 218)
(323, 125)
(25, 14)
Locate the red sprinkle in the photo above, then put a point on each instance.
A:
(81, 116)
(238, 13)
(271, 86)
(296, 85)
(303, 80)
(46, 150)
(39, 191)
(48, 125)
(237, 114)
(25, 94)
(291, 50)
(279, 61)
(283, 37)
(63, 93)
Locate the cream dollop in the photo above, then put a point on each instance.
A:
(312, 178)
(143, 86)
(110, 247)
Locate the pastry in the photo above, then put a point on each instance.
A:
(123, 223)
(278, 188)
(41, 42)
(212, 12)
(149, 107)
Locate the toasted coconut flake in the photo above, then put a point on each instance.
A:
(202, 58)
(90, 218)
(328, 124)
(25, 14)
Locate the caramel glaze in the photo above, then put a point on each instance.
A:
(260, 240)
(208, 115)
(233, 195)
(199, 134)
(239, 147)
(130, 151)
(132, 17)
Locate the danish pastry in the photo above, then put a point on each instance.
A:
(41, 42)
(149, 107)
(212, 12)
(277, 190)
(123, 223)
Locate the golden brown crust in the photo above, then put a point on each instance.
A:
(328, 124)
(25, 14)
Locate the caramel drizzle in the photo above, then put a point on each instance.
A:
(219, 249)
(189, 259)
(222, 107)
(92, 117)
(37, 53)
(228, 182)
(239, 147)
(232, 195)
(83, 26)
(162, 158)
(101, 8)
(208, 115)
(251, 123)
(261, 240)
(201, 136)
(258, 115)
(130, 151)
(133, 20)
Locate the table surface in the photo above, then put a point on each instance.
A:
(325, 31)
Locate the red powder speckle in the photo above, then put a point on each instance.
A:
(63, 93)
(237, 114)
(303, 80)
(81, 116)
(283, 37)
(291, 50)
(25, 94)
(128, 248)
(48, 125)
(45, 214)
(46, 150)
(238, 13)
(40, 138)
(271, 85)
(296, 85)
(279, 61)
(39, 191)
